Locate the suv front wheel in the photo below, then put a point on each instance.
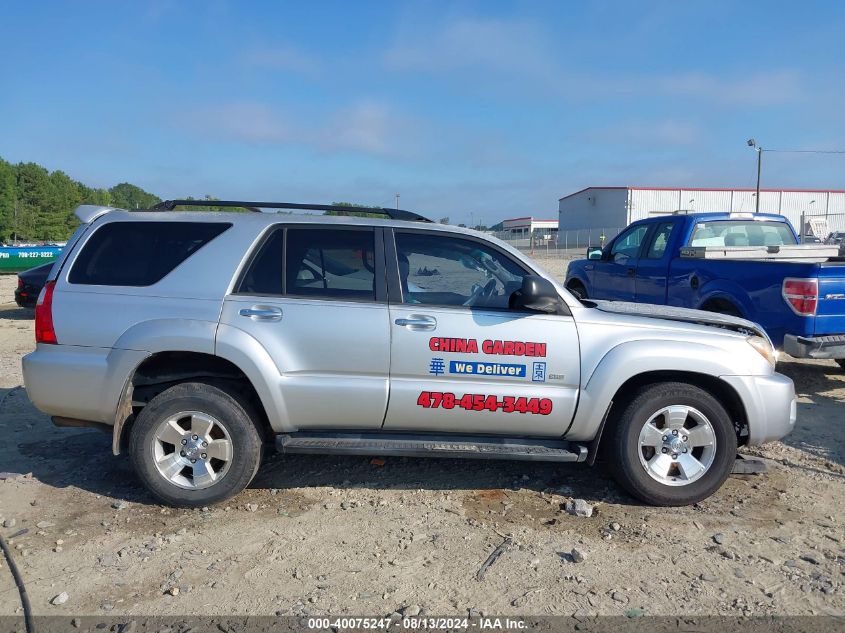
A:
(673, 444)
(195, 445)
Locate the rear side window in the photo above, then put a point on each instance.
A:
(330, 263)
(660, 240)
(139, 253)
(264, 275)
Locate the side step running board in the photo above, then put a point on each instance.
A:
(422, 445)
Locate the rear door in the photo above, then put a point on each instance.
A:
(315, 298)
(653, 265)
(461, 361)
(614, 277)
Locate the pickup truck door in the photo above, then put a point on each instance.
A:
(460, 360)
(653, 265)
(613, 276)
(315, 299)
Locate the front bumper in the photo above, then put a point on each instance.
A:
(832, 346)
(770, 405)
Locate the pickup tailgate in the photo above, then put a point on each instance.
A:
(830, 312)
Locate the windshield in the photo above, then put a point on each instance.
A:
(737, 233)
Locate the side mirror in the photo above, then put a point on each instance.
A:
(594, 252)
(537, 294)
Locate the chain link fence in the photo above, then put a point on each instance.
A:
(569, 244)
(822, 225)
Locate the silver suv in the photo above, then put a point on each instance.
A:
(198, 339)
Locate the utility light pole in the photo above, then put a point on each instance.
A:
(752, 143)
(397, 201)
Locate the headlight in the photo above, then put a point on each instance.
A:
(764, 348)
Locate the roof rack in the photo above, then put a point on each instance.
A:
(393, 214)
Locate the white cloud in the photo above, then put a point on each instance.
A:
(760, 88)
(512, 46)
(243, 121)
(520, 56)
(365, 126)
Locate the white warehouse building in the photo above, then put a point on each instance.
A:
(596, 211)
(526, 227)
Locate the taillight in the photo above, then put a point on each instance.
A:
(802, 295)
(44, 332)
(20, 282)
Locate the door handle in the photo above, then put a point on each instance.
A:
(631, 272)
(417, 322)
(262, 313)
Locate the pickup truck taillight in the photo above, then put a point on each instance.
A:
(802, 295)
(44, 332)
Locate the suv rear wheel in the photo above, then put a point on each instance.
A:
(195, 445)
(673, 444)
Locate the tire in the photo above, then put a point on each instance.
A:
(223, 426)
(578, 290)
(841, 362)
(640, 469)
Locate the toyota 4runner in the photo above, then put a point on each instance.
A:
(197, 339)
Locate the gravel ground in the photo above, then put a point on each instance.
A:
(346, 536)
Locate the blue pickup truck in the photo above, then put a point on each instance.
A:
(746, 265)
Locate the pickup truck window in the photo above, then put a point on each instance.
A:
(443, 270)
(627, 246)
(660, 240)
(735, 233)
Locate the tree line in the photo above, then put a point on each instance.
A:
(37, 205)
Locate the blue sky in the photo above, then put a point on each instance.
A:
(490, 108)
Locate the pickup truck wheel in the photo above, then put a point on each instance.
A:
(195, 445)
(578, 289)
(673, 444)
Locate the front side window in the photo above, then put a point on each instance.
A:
(330, 263)
(739, 233)
(628, 244)
(139, 253)
(451, 271)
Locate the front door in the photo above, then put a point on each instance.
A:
(615, 277)
(461, 361)
(315, 299)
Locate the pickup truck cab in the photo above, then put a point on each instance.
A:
(199, 339)
(744, 265)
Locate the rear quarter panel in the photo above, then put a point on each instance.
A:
(103, 316)
(754, 287)
(830, 314)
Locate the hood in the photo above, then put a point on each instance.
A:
(671, 313)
